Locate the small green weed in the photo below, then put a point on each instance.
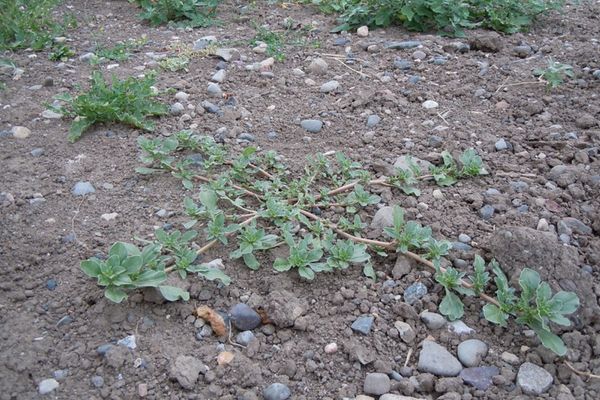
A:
(275, 42)
(61, 53)
(119, 52)
(554, 74)
(8, 70)
(29, 23)
(127, 101)
(174, 64)
(182, 13)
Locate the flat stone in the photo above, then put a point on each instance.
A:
(82, 188)
(37, 152)
(219, 76)
(479, 377)
(329, 87)
(128, 341)
(404, 162)
(533, 380)
(277, 391)
(436, 360)
(575, 226)
(228, 54)
(408, 44)
(430, 104)
(460, 328)
(363, 324)
(20, 132)
(48, 385)
(403, 65)
(50, 114)
(377, 384)
(402, 267)
(471, 352)
(244, 317)
(406, 332)
(214, 89)
(312, 125)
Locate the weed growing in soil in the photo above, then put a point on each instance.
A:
(448, 16)
(253, 201)
(29, 23)
(119, 52)
(554, 74)
(61, 53)
(127, 101)
(183, 13)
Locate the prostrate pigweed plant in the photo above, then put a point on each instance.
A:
(129, 101)
(253, 203)
(181, 13)
(554, 74)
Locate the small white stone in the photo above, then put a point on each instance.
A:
(47, 385)
(542, 225)
(109, 216)
(460, 328)
(182, 96)
(331, 348)
(430, 104)
(219, 76)
(509, 358)
(363, 31)
(438, 194)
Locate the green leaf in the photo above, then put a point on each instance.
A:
(150, 278)
(91, 267)
(494, 314)
(133, 264)
(529, 279)
(115, 294)
(451, 306)
(281, 265)
(306, 272)
(251, 261)
(78, 127)
(208, 198)
(369, 271)
(550, 340)
(565, 302)
(215, 274)
(118, 249)
(173, 293)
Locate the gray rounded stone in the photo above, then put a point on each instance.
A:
(277, 391)
(436, 360)
(433, 320)
(48, 385)
(533, 380)
(244, 338)
(373, 120)
(329, 87)
(377, 383)
(97, 381)
(414, 292)
(312, 125)
(471, 352)
(82, 188)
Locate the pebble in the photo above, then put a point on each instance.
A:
(414, 292)
(377, 383)
(574, 225)
(419, 55)
(384, 217)
(272, 135)
(479, 377)
(331, 348)
(509, 358)
(109, 216)
(50, 114)
(246, 137)
(522, 51)
(373, 120)
(219, 76)
(487, 212)
(66, 320)
(60, 374)
(430, 104)
(363, 324)
(363, 31)
(214, 90)
(82, 188)
(51, 284)
(20, 132)
(298, 72)
(37, 152)
(128, 341)
(204, 42)
(408, 44)
(48, 385)
(318, 66)
(177, 108)
(103, 349)
(533, 380)
(312, 125)
(406, 332)
(433, 320)
(463, 237)
(460, 246)
(210, 107)
(87, 57)
(501, 145)
(244, 338)
(435, 141)
(244, 317)
(143, 389)
(182, 96)
(438, 194)
(228, 54)
(277, 391)
(414, 79)
(403, 65)
(439, 60)
(436, 360)
(471, 352)
(97, 381)
(460, 328)
(329, 87)
(596, 74)
(341, 41)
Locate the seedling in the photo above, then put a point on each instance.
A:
(61, 53)
(554, 74)
(181, 13)
(127, 101)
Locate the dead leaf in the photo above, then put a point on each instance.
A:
(213, 318)
(264, 318)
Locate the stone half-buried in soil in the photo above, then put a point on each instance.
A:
(436, 360)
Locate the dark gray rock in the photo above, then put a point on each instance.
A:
(408, 44)
(244, 317)
(414, 292)
(487, 211)
(363, 324)
(312, 125)
(403, 65)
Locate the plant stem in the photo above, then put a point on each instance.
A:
(392, 246)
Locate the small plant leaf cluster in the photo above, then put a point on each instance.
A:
(445, 16)
(29, 24)
(554, 74)
(181, 13)
(253, 204)
(534, 307)
(128, 101)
